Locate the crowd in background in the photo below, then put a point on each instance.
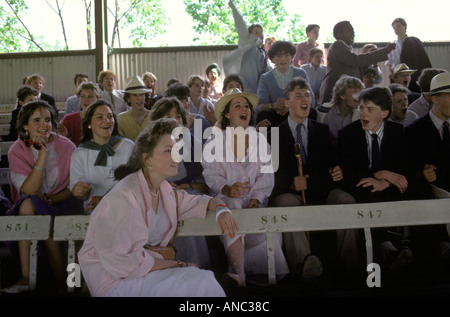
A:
(343, 138)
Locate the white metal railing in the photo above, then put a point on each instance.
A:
(32, 228)
(290, 219)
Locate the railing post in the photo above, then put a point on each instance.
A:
(270, 258)
(369, 246)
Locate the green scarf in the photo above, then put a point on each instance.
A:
(105, 149)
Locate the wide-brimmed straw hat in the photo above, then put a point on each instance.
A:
(439, 84)
(401, 69)
(230, 95)
(135, 85)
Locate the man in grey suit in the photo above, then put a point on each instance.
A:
(342, 60)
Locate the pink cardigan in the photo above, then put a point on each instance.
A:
(113, 249)
(21, 161)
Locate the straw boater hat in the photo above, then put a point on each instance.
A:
(401, 69)
(230, 95)
(439, 84)
(135, 85)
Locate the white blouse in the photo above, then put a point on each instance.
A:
(101, 178)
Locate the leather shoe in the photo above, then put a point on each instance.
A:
(16, 289)
(312, 268)
(403, 259)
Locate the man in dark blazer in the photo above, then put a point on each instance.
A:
(370, 152)
(410, 51)
(428, 151)
(319, 172)
(37, 82)
(342, 60)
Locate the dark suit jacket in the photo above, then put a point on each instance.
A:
(276, 119)
(51, 102)
(13, 135)
(353, 158)
(414, 55)
(320, 159)
(424, 145)
(341, 60)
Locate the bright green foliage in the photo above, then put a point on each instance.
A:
(144, 19)
(11, 32)
(214, 24)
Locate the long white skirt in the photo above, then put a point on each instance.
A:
(174, 282)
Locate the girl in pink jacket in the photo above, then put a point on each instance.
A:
(142, 210)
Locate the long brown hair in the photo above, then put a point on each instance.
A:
(27, 110)
(145, 143)
(86, 132)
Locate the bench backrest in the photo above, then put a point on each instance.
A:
(33, 228)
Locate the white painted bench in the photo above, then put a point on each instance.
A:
(4, 147)
(4, 129)
(290, 219)
(8, 108)
(4, 180)
(5, 118)
(33, 228)
(70, 229)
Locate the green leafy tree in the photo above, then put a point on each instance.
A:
(297, 31)
(140, 20)
(214, 24)
(143, 20)
(14, 34)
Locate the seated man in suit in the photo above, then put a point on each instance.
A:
(107, 82)
(370, 152)
(37, 82)
(317, 181)
(428, 150)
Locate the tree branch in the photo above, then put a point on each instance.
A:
(62, 23)
(31, 38)
(58, 11)
(88, 7)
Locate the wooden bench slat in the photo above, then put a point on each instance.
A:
(33, 228)
(15, 228)
(4, 147)
(289, 219)
(6, 108)
(327, 217)
(73, 228)
(4, 172)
